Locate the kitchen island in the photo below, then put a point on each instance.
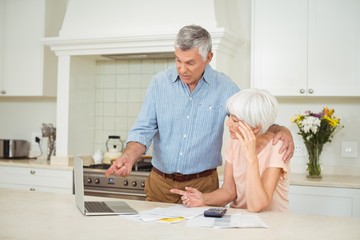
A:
(39, 215)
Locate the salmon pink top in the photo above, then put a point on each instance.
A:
(268, 157)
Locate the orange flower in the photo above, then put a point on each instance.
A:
(328, 112)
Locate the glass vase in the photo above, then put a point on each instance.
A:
(313, 166)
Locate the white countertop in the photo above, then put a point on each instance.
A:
(42, 163)
(341, 181)
(36, 215)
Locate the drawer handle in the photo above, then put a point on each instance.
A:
(311, 91)
(302, 91)
(32, 171)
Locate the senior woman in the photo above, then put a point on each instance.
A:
(255, 176)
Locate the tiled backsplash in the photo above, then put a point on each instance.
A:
(120, 90)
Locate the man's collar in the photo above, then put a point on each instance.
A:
(207, 75)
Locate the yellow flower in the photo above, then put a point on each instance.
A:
(296, 118)
(332, 121)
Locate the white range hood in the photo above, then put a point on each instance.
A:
(98, 27)
(92, 28)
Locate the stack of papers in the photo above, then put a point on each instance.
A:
(229, 221)
(172, 214)
(195, 217)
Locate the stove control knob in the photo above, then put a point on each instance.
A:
(142, 184)
(134, 183)
(97, 181)
(125, 182)
(89, 180)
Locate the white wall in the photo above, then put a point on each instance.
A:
(120, 91)
(21, 116)
(348, 110)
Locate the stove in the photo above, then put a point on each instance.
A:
(130, 187)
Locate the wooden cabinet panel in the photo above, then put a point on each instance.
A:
(36, 179)
(334, 47)
(279, 46)
(328, 201)
(306, 48)
(27, 67)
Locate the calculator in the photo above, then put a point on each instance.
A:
(215, 212)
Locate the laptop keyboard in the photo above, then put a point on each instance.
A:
(97, 207)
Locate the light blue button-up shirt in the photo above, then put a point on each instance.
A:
(186, 128)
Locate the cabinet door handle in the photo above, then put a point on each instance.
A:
(311, 91)
(32, 189)
(32, 171)
(302, 91)
(3, 92)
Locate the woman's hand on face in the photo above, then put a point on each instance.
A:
(191, 197)
(247, 140)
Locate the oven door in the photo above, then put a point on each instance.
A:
(114, 193)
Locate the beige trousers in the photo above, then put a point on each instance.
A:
(157, 188)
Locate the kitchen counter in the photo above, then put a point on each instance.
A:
(341, 181)
(37, 163)
(36, 215)
(42, 163)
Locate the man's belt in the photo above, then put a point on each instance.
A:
(183, 178)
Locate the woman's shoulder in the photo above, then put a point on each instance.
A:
(264, 141)
(270, 149)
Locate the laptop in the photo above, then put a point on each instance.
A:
(96, 208)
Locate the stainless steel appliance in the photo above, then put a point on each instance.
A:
(131, 187)
(12, 148)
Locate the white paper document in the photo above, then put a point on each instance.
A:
(171, 214)
(195, 218)
(228, 221)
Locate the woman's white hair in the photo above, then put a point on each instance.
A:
(255, 107)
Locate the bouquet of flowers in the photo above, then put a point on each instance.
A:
(316, 129)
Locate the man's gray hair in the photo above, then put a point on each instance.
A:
(193, 36)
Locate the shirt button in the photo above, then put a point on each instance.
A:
(184, 135)
(187, 116)
(181, 154)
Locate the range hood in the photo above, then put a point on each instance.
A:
(119, 29)
(128, 56)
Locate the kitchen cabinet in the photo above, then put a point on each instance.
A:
(27, 67)
(326, 201)
(37, 179)
(306, 48)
